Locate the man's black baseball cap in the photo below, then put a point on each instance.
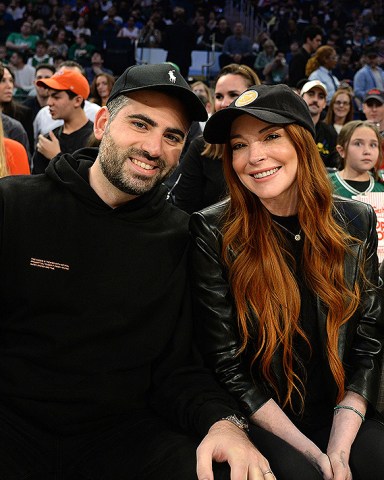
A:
(163, 77)
(277, 104)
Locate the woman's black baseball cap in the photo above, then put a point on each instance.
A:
(276, 104)
(163, 77)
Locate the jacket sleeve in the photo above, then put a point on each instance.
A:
(216, 319)
(364, 356)
(359, 84)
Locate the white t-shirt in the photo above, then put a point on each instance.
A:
(44, 122)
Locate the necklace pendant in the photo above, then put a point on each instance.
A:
(298, 237)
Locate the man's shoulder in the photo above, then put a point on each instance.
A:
(323, 127)
(18, 187)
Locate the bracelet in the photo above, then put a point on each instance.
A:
(240, 422)
(347, 407)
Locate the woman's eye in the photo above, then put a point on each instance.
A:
(237, 146)
(272, 136)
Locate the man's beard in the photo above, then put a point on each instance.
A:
(112, 162)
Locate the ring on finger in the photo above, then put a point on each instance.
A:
(268, 472)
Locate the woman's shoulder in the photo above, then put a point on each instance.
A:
(210, 218)
(356, 217)
(17, 157)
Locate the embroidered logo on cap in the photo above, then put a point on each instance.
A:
(172, 77)
(246, 98)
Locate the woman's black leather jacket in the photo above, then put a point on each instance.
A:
(360, 340)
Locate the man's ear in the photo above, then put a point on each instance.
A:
(100, 123)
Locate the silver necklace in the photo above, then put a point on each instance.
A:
(296, 236)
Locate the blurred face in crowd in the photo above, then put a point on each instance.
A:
(6, 87)
(228, 88)
(314, 43)
(341, 105)
(331, 61)
(42, 74)
(374, 110)
(316, 101)
(102, 87)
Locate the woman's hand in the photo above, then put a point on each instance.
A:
(340, 465)
(323, 463)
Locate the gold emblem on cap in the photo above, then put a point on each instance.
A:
(246, 98)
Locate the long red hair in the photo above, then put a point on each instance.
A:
(262, 282)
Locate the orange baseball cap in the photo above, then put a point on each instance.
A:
(67, 80)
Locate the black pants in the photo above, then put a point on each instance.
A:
(147, 449)
(366, 459)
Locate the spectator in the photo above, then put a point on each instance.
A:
(276, 71)
(22, 41)
(202, 34)
(15, 10)
(110, 24)
(3, 55)
(39, 29)
(6, 22)
(267, 55)
(39, 100)
(359, 148)
(151, 33)
(373, 107)
(343, 70)
(44, 122)
(179, 41)
(41, 55)
(312, 41)
(14, 129)
(314, 94)
(287, 294)
(24, 74)
(143, 402)
(222, 32)
(97, 66)
(237, 48)
(202, 90)
(129, 30)
(340, 109)
(369, 76)
(320, 66)
(67, 92)
(14, 109)
(81, 28)
(81, 51)
(201, 182)
(58, 45)
(101, 87)
(13, 156)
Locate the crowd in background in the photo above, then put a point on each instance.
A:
(337, 43)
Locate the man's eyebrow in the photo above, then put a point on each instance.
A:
(150, 121)
(144, 118)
